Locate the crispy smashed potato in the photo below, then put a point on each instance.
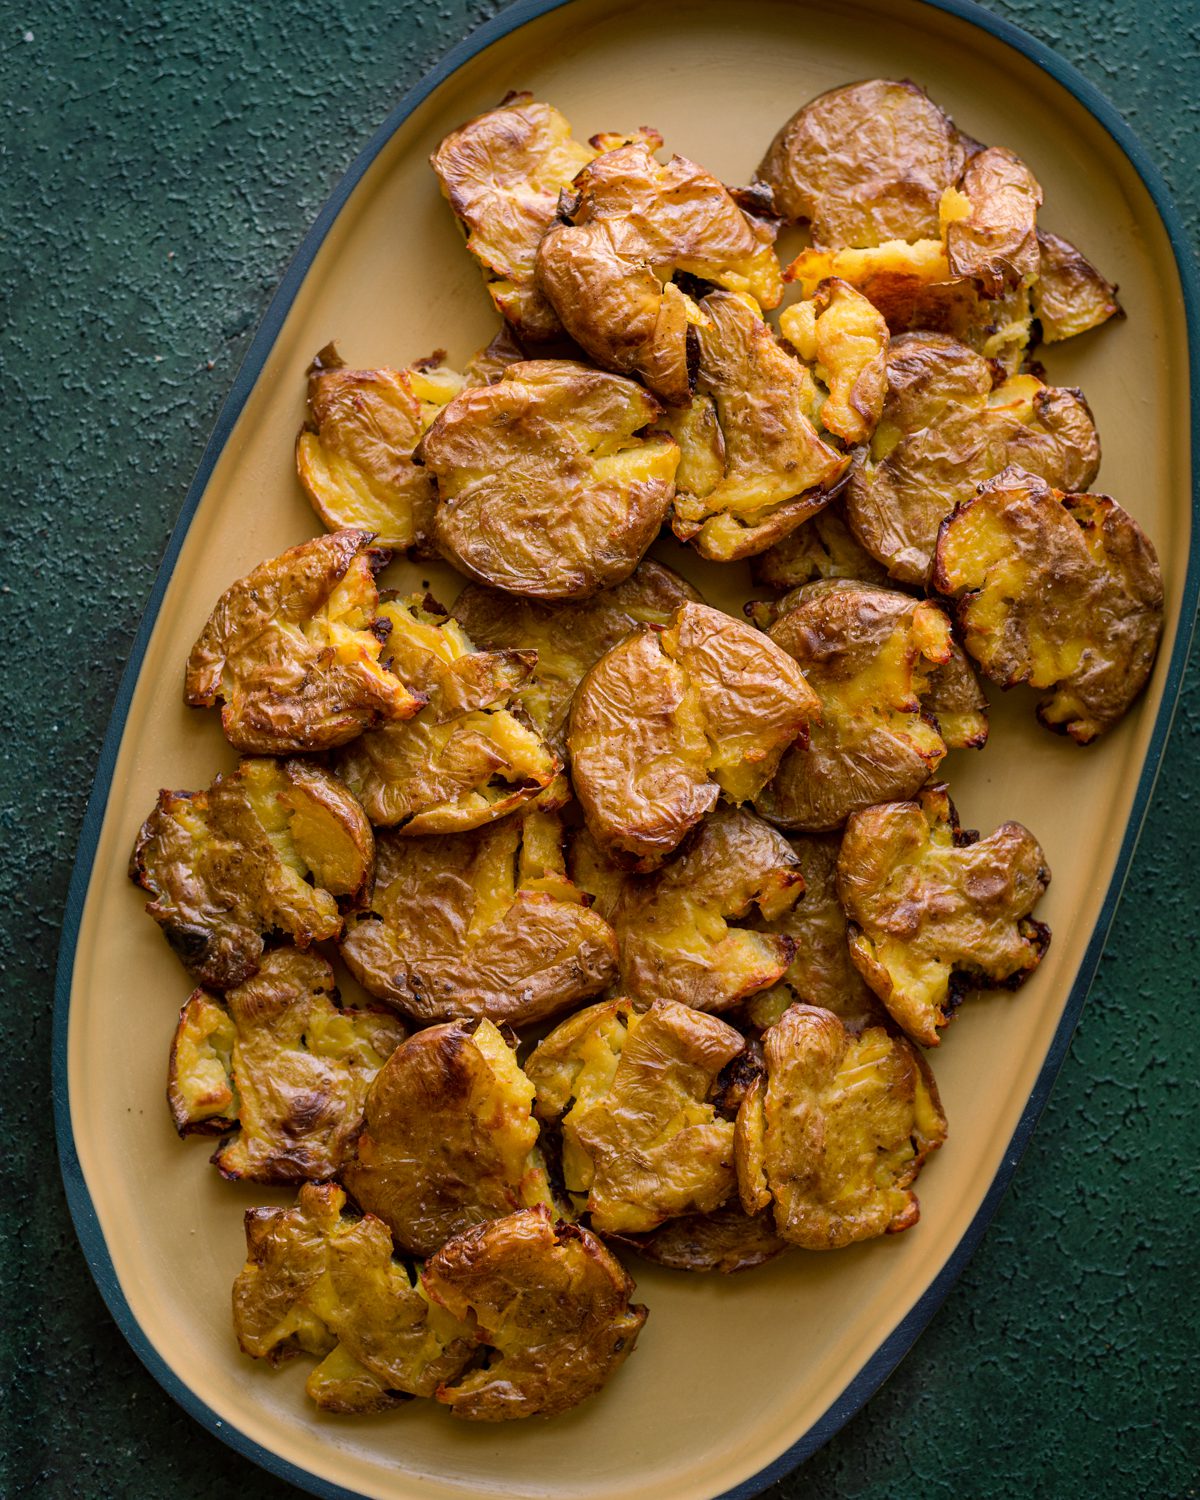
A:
(868, 654)
(865, 164)
(934, 913)
(480, 924)
(837, 1135)
(548, 483)
(821, 971)
(550, 1301)
(449, 1140)
(1055, 590)
(754, 465)
(844, 339)
(821, 547)
(1070, 295)
(680, 927)
(631, 226)
(945, 430)
(290, 654)
(277, 1062)
(725, 1241)
(230, 865)
(668, 720)
(465, 759)
(641, 1141)
(995, 242)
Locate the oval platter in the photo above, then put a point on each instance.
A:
(738, 1379)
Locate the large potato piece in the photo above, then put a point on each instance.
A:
(934, 913)
(868, 654)
(632, 225)
(550, 1302)
(282, 1066)
(668, 720)
(836, 1138)
(449, 1140)
(865, 163)
(1070, 295)
(1059, 591)
(480, 924)
(995, 243)
(227, 866)
(290, 654)
(548, 483)
(944, 432)
(641, 1139)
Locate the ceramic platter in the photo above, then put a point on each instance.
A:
(737, 1379)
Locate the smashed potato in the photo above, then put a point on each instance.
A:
(631, 226)
(995, 242)
(548, 483)
(834, 1140)
(1070, 295)
(821, 547)
(867, 653)
(280, 1065)
(725, 1241)
(1058, 591)
(449, 1140)
(944, 431)
(550, 1302)
(668, 720)
(228, 866)
(934, 912)
(465, 759)
(641, 1141)
(480, 924)
(290, 654)
(681, 927)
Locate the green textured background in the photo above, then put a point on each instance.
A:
(158, 167)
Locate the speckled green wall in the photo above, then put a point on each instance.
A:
(158, 166)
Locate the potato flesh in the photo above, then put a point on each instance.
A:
(844, 339)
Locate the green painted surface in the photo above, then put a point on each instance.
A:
(158, 167)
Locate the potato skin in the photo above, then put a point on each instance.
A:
(1070, 296)
(726, 1241)
(821, 547)
(545, 487)
(1060, 591)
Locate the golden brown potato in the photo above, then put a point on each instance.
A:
(681, 927)
(865, 163)
(354, 455)
(641, 1141)
(290, 654)
(632, 225)
(754, 465)
(837, 1135)
(1070, 295)
(844, 339)
(821, 547)
(465, 759)
(449, 1140)
(668, 720)
(282, 1066)
(995, 241)
(551, 1303)
(480, 924)
(727, 1240)
(867, 653)
(934, 912)
(230, 865)
(548, 483)
(821, 971)
(1055, 590)
(944, 432)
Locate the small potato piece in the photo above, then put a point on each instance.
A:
(774, 470)
(548, 483)
(995, 243)
(1055, 590)
(464, 760)
(289, 652)
(841, 1130)
(229, 865)
(727, 1240)
(821, 547)
(480, 924)
(675, 924)
(1070, 295)
(552, 1303)
(281, 1065)
(668, 720)
(867, 653)
(633, 225)
(844, 339)
(641, 1141)
(944, 432)
(449, 1140)
(932, 913)
(865, 163)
